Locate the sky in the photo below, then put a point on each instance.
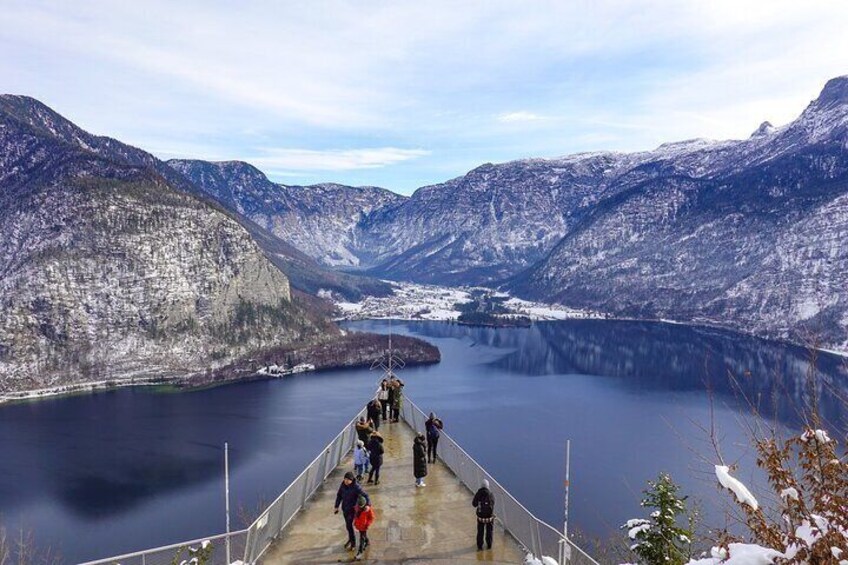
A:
(405, 94)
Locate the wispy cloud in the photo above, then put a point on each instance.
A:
(520, 116)
(282, 160)
(457, 78)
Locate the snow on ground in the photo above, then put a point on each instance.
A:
(538, 311)
(545, 560)
(430, 302)
(740, 554)
(410, 301)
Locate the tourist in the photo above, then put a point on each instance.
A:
(364, 517)
(360, 459)
(397, 401)
(383, 397)
(419, 460)
(375, 452)
(434, 426)
(391, 390)
(363, 429)
(347, 497)
(374, 409)
(484, 501)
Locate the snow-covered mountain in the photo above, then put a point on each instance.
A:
(745, 233)
(750, 234)
(108, 271)
(319, 220)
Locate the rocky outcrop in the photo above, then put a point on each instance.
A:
(109, 271)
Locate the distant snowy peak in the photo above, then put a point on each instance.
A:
(834, 94)
(765, 129)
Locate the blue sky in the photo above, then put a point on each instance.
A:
(404, 94)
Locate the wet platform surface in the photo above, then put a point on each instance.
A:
(434, 524)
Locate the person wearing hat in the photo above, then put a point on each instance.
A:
(360, 460)
(419, 460)
(363, 429)
(484, 501)
(364, 517)
(347, 497)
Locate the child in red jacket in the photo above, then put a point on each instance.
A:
(364, 517)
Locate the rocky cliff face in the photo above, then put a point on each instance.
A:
(108, 272)
(747, 234)
(304, 230)
(485, 226)
(319, 220)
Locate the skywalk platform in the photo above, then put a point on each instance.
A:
(433, 524)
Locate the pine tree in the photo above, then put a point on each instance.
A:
(660, 540)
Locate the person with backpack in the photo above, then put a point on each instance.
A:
(364, 517)
(347, 497)
(375, 451)
(434, 427)
(484, 501)
(419, 460)
(360, 460)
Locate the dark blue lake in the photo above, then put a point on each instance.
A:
(107, 473)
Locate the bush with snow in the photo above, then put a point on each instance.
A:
(810, 524)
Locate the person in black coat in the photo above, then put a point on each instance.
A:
(374, 410)
(434, 428)
(419, 460)
(390, 402)
(347, 497)
(484, 502)
(375, 449)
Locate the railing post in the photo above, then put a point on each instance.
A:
(247, 545)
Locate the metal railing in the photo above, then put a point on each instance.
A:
(251, 543)
(276, 517)
(537, 537)
(167, 554)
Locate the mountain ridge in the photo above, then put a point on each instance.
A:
(110, 272)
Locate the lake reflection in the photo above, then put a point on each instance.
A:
(107, 473)
(773, 376)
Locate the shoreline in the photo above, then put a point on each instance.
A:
(425, 302)
(699, 324)
(352, 351)
(237, 372)
(83, 388)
